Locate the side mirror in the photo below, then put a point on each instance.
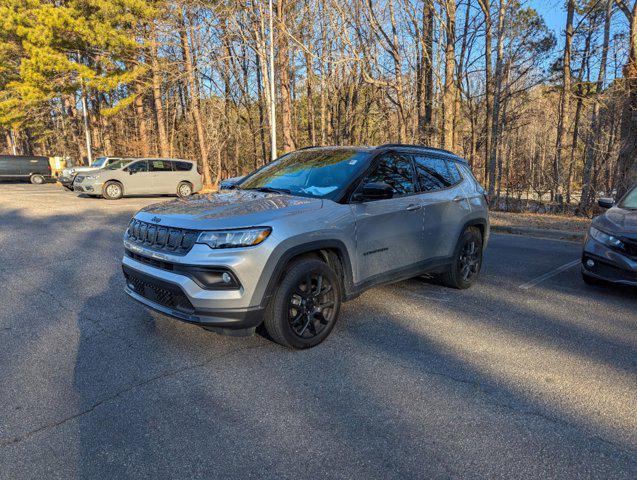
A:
(376, 191)
(606, 202)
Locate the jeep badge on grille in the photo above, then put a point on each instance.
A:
(155, 219)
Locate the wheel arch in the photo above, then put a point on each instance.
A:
(481, 224)
(332, 252)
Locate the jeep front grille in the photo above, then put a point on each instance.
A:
(177, 241)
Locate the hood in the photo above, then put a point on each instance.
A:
(233, 209)
(81, 169)
(619, 221)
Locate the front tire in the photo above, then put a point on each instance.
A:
(467, 260)
(112, 191)
(184, 189)
(37, 179)
(305, 307)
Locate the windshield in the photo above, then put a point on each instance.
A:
(99, 162)
(320, 173)
(116, 165)
(630, 200)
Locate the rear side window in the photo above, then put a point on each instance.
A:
(183, 166)
(396, 171)
(454, 174)
(160, 166)
(435, 173)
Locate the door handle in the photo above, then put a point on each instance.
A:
(459, 198)
(413, 206)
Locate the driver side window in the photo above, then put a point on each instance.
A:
(396, 171)
(138, 166)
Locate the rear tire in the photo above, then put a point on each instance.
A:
(37, 179)
(467, 261)
(184, 189)
(305, 306)
(112, 191)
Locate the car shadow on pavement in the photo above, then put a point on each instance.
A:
(405, 387)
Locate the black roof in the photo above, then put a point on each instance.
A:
(388, 146)
(424, 147)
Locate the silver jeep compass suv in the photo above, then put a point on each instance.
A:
(297, 237)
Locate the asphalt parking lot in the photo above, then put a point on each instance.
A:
(531, 374)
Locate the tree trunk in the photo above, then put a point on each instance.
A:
(398, 76)
(495, 131)
(627, 158)
(460, 75)
(141, 122)
(449, 95)
(262, 123)
(485, 5)
(311, 131)
(424, 76)
(578, 109)
(565, 98)
(590, 151)
(194, 107)
(164, 150)
(283, 60)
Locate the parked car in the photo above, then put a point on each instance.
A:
(145, 176)
(36, 169)
(610, 248)
(68, 174)
(306, 232)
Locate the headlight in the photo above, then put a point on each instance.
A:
(234, 238)
(606, 238)
(72, 172)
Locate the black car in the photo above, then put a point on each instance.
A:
(36, 169)
(610, 250)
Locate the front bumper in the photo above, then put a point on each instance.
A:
(66, 181)
(170, 299)
(89, 186)
(169, 285)
(602, 262)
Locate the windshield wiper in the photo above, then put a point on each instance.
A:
(269, 190)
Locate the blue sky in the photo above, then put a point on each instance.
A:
(554, 15)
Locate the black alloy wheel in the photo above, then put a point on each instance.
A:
(467, 261)
(304, 309)
(311, 306)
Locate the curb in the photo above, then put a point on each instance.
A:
(539, 232)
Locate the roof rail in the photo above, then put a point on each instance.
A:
(386, 145)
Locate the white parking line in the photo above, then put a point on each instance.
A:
(552, 273)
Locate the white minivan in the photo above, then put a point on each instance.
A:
(141, 176)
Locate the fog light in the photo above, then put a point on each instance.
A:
(226, 277)
(590, 263)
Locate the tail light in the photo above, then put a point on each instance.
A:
(199, 170)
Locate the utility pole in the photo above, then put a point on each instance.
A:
(87, 133)
(272, 97)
